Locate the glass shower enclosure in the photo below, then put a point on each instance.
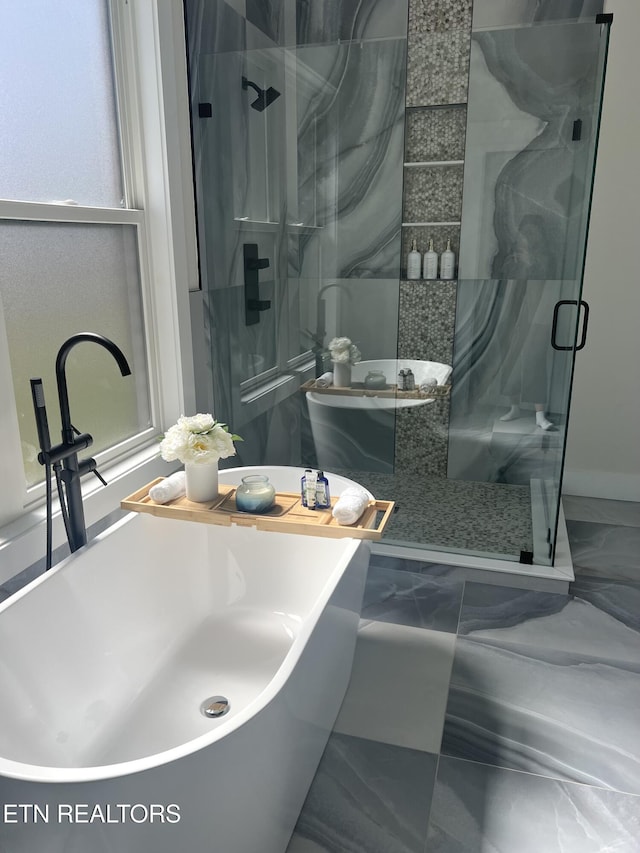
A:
(533, 118)
(310, 164)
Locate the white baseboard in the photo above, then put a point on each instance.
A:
(602, 484)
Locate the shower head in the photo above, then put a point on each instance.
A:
(265, 96)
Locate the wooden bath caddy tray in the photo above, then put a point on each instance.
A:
(286, 516)
(358, 390)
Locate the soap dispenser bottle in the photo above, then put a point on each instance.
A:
(430, 263)
(323, 497)
(447, 262)
(413, 263)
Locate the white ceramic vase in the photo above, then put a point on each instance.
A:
(201, 481)
(341, 374)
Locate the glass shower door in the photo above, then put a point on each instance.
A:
(533, 118)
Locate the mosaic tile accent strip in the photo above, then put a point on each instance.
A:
(439, 16)
(435, 134)
(440, 234)
(427, 320)
(433, 194)
(422, 438)
(457, 515)
(438, 68)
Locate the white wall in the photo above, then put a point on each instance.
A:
(603, 449)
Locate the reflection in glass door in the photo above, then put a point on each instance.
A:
(533, 116)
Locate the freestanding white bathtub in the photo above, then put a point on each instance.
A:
(106, 661)
(357, 432)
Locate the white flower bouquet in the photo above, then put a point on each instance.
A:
(342, 351)
(198, 438)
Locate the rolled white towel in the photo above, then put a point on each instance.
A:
(325, 381)
(428, 382)
(350, 505)
(169, 489)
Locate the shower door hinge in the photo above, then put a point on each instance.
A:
(604, 18)
(526, 557)
(577, 130)
(205, 110)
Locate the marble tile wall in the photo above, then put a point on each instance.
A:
(350, 156)
(325, 21)
(333, 156)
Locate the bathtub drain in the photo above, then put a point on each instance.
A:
(215, 706)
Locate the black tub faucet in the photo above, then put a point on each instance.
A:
(63, 457)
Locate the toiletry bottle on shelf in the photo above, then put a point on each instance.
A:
(402, 380)
(309, 487)
(303, 486)
(409, 380)
(414, 260)
(323, 498)
(430, 263)
(447, 262)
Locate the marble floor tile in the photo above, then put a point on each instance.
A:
(366, 798)
(626, 513)
(548, 712)
(443, 571)
(399, 685)
(605, 550)
(478, 808)
(596, 621)
(406, 598)
(620, 599)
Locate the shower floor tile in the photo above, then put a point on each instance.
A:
(476, 807)
(399, 685)
(366, 798)
(460, 515)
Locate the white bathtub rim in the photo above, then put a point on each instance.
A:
(61, 775)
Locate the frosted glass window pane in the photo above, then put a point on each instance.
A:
(59, 137)
(56, 280)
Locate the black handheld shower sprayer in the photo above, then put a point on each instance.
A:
(265, 96)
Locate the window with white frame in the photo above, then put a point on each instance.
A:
(74, 239)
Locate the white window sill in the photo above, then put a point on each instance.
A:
(23, 541)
